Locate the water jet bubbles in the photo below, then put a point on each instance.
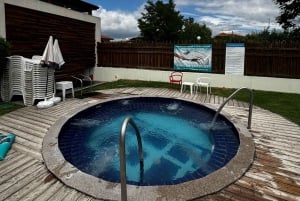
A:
(205, 126)
(173, 106)
(85, 122)
(125, 102)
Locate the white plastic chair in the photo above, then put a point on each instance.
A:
(16, 76)
(203, 82)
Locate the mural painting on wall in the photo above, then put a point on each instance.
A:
(193, 58)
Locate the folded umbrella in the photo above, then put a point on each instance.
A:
(48, 58)
(47, 61)
(57, 56)
(52, 58)
(58, 62)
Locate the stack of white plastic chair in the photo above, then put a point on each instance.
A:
(51, 74)
(27, 83)
(39, 89)
(16, 76)
(26, 77)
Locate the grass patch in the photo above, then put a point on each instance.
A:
(130, 83)
(6, 107)
(284, 104)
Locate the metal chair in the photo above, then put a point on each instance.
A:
(175, 77)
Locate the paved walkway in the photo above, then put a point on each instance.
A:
(274, 175)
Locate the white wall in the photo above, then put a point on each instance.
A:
(218, 80)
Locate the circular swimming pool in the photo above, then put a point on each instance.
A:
(179, 149)
(177, 146)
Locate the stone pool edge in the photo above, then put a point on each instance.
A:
(101, 189)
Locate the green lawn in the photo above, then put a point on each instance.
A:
(6, 107)
(284, 104)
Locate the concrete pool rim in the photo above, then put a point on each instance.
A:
(102, 189)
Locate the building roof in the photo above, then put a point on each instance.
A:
(105, 38)
(77, 5)
(223, 34)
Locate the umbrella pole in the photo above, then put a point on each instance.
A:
(46, 83)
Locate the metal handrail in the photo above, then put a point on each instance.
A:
(81, 81)
(122, 155)
(229, 98)
(81, 84)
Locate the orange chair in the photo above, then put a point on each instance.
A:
(175, 77)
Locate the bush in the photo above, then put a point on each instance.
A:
(4, 51)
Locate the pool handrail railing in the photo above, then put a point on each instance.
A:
(228, 99)
(123, 158)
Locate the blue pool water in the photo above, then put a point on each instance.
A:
(177, 145)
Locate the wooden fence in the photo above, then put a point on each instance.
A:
(136, 55)
(273, 60)
(270, 60)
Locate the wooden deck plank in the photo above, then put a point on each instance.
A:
(242, 193)
(72, 195)
(50, 191)
(11, 158)
(42, 127)
(13, 169)
(34, 112)
(34, 153)
(20, 180)
(44, 123)
(24, 132)
(60, 194)
(29, 189)
(40, 186)
(274, 174)
(264, 187)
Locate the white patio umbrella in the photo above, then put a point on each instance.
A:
(58, 62)
(52, 58)
(57, 56)
(48, 58)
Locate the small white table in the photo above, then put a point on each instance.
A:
(64, 86)
(190, 84)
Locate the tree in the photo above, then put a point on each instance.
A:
(191, 30)
(289, 16)
(161, 22)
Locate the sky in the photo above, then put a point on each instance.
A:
(119, 17)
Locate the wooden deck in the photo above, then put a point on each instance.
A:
(274, 175)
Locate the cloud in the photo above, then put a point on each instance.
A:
(240, 16)
(118, 24)
(232, 15)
